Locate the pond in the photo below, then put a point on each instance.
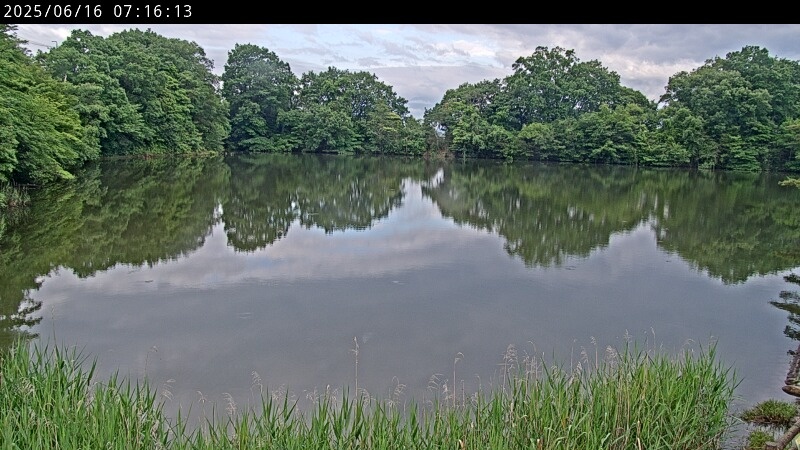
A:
(215, 278)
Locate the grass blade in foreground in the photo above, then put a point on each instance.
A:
(630, 399)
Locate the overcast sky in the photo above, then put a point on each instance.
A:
(422, 61)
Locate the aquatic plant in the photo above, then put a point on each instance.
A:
(619, 399)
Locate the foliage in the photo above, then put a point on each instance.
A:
(41, 137)
(474, 136)
(789, 181)
(12, 196)
(740, 112)
(483, 96)
(747, 104)
(142, 92)
(347, 112)
(630, 399)
(320, 128)
(553, 84)
(610, 135)
(49, 399)
(258, 87)
(85, 61)
(758, 439)
(553, 107)
(772, 413)
(139, 92)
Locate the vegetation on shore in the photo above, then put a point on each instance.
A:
(629, 399)
(778, 417)
(771, 413)
(771, 418)
(139, 93)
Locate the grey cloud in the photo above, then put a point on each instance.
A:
(423, 87)
(644, 55)
(403, 52)
(368, 62)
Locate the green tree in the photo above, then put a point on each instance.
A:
(539, 141)
(682, 140)
(472, 135)
(258, 87)
(385, 130)
(85, 61)
(613, 135)
(779, 76)
(483, 96)
(747, 102)
(366, 109)
(320, 128)
(142, 92)
(42, 136)
(554, 84)
(534, 111)
(153, 82)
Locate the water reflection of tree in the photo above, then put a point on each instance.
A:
(790, 302)
(18, 324)
(35, 245)
(270, 192)
(127, 212)
(732, 226)
(143, 212)
(545, 213)
(148, 211)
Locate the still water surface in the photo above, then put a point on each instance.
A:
(217, 277)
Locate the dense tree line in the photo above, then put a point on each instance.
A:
(331, 111)
(739, 112)
(41, 135)
(136, 92)
(140, 92)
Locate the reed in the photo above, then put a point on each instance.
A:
(48, 400)
(626, 399)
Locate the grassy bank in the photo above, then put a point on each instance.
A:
(629, 399)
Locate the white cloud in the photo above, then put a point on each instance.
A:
(422, 61)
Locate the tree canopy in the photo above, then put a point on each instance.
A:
(137, 92)
(41, 136)
(744, 109)
(141, 92)
(258, 86)
(739, 112)
(346, 112)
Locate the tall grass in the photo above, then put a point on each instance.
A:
(629, 399)
(48, 400)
